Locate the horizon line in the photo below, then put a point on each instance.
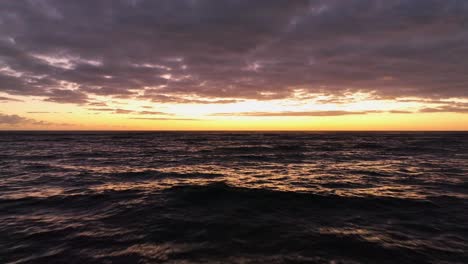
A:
(216, 130)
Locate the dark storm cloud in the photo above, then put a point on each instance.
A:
(168, 50)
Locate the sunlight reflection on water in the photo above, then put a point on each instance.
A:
(204, 197)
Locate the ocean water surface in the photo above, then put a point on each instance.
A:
(233, 197)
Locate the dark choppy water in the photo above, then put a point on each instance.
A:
(233, 197)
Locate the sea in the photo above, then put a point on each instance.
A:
(233, 197)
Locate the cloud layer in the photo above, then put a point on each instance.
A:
(14, 120)
(202, 51)
(289, 114)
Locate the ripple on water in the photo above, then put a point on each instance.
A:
(233, 197)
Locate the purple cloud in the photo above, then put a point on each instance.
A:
(228, 50)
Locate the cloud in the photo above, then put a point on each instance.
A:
(290, 114)
(66, 96)
(8, 99)
(102, 109)
(123, 111)
(445, 109)
(11, 119)
(127, 111)
(400, 112)
(97, 104)
(152, 113)
(42, 112)
(178, 99)
(19, 120)
(227, 50)
(164, 119)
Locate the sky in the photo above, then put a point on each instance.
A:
(234, 65)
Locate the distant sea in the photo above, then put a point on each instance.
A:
(233, 197)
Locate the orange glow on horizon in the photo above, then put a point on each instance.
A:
(359, 112)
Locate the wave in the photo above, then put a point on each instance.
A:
(233, 197)
(216, 221)
(223, 191)
(155, 174)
